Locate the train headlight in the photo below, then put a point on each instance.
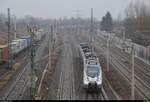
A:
(99, 79)
(86, 82)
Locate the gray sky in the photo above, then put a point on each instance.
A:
(61, 8)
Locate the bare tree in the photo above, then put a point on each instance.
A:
(137, 22)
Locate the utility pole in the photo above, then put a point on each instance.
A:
(32, 91)
(77, 18)
(91, 31)
(108, 41)
(9, 41)
(133, 80)
(50, 47)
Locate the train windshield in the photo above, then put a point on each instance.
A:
(92, 71)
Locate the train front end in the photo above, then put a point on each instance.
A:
(92, 77)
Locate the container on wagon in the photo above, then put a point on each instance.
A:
(22, 43)
(28, 38)
(15, 47)
(3, 53)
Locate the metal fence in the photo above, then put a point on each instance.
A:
(142, 53)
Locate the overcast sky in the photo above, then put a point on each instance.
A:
(62, 8)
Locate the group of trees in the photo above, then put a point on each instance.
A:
(107, 23)
(137, 22)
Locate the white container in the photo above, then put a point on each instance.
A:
(23, 43)
(15, 47)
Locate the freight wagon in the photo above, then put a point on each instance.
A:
(3, 53)
(18, 45)
(21, 44)
(28, 39)
(15, 47)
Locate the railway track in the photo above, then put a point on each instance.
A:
(18, 87)
(20, 80)
(8, 76)
(93, 96)
(139, 84)
(141, 65)
(138, 70)
(106, 93)
(141, 80)
(125, 71)
(66, 89)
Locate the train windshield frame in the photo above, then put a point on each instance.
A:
(93, 71)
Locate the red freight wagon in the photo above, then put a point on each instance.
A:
(3, 53)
